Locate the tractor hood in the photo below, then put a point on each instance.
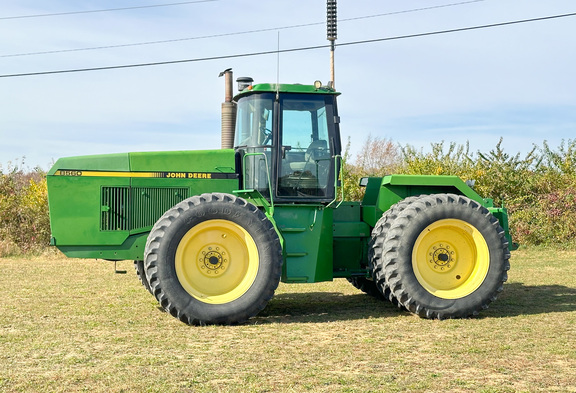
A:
(208, 161)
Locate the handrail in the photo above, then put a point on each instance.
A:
(337, 174)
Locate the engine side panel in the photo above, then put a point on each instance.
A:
(104, 206)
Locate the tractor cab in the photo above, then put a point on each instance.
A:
(287, 142)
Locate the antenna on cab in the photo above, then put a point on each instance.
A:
(278, 70)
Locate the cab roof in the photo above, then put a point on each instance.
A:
(285, 88)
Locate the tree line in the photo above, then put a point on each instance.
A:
(538, 188)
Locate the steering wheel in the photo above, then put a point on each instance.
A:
(268, 135)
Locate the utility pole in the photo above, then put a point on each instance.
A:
(332, 33)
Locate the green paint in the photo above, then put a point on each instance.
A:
(103, 216)
(104, 206)
(307, 234)
(285, 88)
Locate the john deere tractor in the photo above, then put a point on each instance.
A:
(213, 232)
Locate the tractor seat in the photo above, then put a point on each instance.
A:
(317, 150)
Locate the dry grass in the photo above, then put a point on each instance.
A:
(73, 325)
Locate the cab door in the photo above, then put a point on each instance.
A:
(307, 148)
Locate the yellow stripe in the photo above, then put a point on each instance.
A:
(119, 174)
(106, 174)
(154, 175)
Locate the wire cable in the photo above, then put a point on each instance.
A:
(290, 50)
(240, 32)
(104, 10)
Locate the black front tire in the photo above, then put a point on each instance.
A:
(213, 259)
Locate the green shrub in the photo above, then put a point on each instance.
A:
(538, 188)
(548, 215)
(24, 222)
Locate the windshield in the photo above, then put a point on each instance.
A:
(254, 121)
(254, 138)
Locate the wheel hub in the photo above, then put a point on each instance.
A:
(442, 257)
(213, 260)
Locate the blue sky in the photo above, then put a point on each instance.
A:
(516, 82)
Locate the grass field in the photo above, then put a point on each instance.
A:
(73, 325)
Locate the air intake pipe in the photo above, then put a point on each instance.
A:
(228, 111)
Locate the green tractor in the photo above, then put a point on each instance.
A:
(213, 232)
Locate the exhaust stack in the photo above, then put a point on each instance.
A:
(228, 111)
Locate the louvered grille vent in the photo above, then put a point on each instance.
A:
(114, 209)
(127, 209)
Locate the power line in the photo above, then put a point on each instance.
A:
(413, 10)
(240, 32)
(461, 29)
(291, 50)
(104, 10)
(164, 41)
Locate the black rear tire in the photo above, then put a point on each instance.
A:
(376, 246)
(444, 256)
(141, 273)
(367, 286)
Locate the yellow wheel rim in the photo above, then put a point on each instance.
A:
(216, 261)
(450, 258)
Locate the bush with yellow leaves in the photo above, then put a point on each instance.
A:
(24, 222)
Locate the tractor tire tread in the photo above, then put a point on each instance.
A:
(157, 237)
(395, 242)
(376, 245)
